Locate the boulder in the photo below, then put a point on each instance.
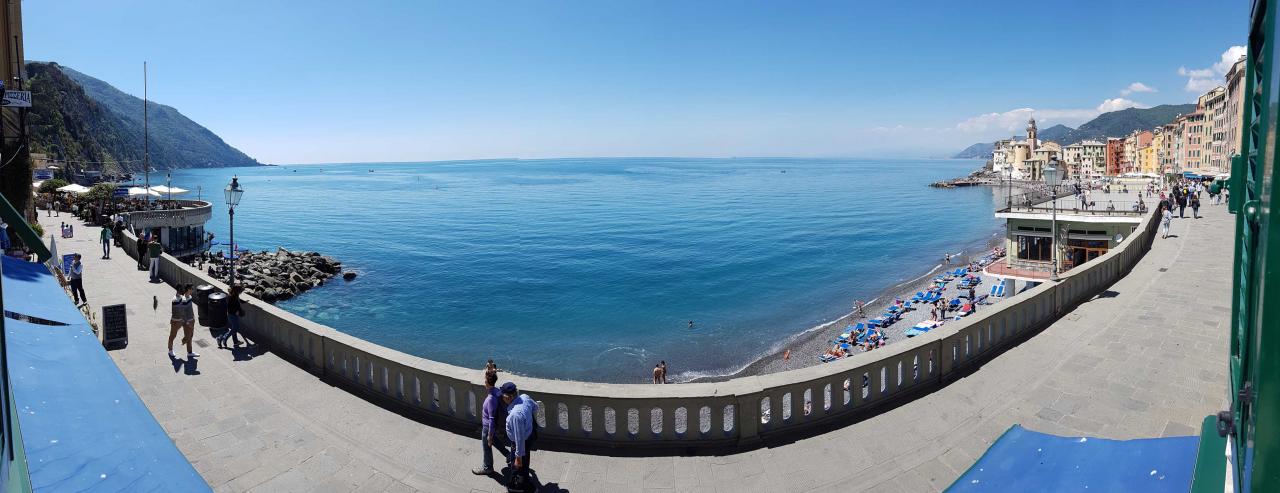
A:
(348, 275)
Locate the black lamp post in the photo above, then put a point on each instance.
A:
(233, 193)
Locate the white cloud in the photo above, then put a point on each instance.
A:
(1204, 79)
(1136, 87)
(1117, 104)
(1015, 120)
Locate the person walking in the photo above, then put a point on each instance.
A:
(234, 312)
(154, 249)
(105, 236)
(76, 278)
(1165, 218)
(182, 315)
(1195, 206)
(1182, 204)
(490, 415)
(521, 432)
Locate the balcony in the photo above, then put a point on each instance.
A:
(184, 213)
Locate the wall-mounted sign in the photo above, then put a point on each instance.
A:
(17, 99)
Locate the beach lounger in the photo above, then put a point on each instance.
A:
(982, 300)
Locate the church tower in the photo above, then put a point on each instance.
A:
(1031, 138)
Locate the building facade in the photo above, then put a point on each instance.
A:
(1234, 111)
(1214, 106)
(1115, 147)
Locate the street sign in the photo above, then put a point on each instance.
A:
(17, 99)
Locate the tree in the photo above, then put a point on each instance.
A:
(100, 192)
(50, 186)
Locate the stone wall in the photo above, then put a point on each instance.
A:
(684, 418)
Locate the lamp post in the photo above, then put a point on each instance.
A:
(1052, 180)
(168, 184)
(233, 193)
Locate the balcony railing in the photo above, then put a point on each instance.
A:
(1104, 208)
(191, 213)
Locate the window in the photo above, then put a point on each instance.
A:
(1035, 248)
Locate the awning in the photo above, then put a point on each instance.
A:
(168, 190)
(74, 188)
(83, 426)
(140, 192)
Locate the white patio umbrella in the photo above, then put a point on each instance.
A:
(74, 188)
(168, 190)
(139, 192)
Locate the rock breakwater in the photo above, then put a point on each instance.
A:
(279, 275)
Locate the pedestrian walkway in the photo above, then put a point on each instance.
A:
(1147, 358)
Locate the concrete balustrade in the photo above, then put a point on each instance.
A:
(741, 412)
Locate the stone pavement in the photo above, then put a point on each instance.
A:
(1147, 358)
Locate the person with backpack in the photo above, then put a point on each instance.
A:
(522, 432)
(1195, 206)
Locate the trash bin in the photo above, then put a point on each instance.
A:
(216, 313)
(202, 303)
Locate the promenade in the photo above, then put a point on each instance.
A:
(1145, 359)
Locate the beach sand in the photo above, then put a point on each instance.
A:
(805, 348)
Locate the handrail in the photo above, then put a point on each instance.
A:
(729, 415)
(24, 230)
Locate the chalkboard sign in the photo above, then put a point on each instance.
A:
(115, 327)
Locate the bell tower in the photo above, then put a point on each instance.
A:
(1031, 138)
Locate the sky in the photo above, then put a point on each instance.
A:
(319, 81)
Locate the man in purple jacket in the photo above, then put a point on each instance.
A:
(489, 420)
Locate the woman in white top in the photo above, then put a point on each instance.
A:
(182, 315)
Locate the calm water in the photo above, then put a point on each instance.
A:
(593, 268)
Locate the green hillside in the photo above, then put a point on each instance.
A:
(80, 118)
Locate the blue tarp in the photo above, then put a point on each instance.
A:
(83, 427)
(1024, 460)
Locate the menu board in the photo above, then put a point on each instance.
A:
(115, 326)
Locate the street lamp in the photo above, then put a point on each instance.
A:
(1052, 179)
(233, 193)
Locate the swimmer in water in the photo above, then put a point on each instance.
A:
(691, 324)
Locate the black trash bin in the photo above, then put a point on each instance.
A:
(216, 316)
(202, 303)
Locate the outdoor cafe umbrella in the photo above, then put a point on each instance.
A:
(139, 191)
(168, 190)
(74, 188)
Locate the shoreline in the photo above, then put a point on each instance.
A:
(805, 346)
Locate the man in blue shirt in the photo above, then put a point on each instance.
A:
(520, 412)
(490, 417)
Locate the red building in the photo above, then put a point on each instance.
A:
(1115, 148)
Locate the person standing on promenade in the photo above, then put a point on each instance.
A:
(182, 315)
(1181, 199)
(154, 249)
(105, 235)
(521, 432)
(1165, 218)
(234, 311)
(1195, 206)
(76, 277)
(490, 415)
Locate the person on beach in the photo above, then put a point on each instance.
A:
(76, 278)
(154, 249)
(491, 366)
(520, 431)
(490, 415)
(861, 307)
(182, 315)
(235, 310)
(663, 364)
(947, 259)
(657, 373)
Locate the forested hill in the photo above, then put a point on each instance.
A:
(75, 117)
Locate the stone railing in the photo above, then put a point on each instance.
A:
(697, 417)
(192, 213)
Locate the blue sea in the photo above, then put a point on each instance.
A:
(593, 268)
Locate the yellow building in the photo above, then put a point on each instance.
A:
(1147, 159)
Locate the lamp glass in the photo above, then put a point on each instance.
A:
(1051, 177)
(233, 192)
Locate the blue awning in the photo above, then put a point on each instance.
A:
(1025, 460)
(83, 427)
